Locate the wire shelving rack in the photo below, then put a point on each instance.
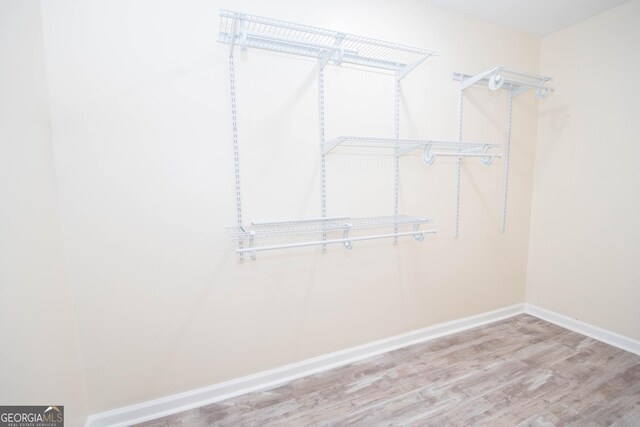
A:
(244, 30)
(323, 231)
(516, 82)
(240, 30)
(327, 46)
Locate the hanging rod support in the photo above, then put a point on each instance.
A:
(232, 41)
(518, 90)
(478, 77)
(328, 146)
(331, 53)
(409, 148)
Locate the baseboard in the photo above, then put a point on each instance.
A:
(608, 337)
(263, 380)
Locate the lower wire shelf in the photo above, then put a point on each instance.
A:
(324, 231)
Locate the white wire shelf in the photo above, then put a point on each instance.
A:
(300, 233)
(430, 148)
(260, 32)
(503, 77)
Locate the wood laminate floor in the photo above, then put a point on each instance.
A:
(518, 372)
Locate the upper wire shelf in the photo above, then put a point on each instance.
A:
(514, 80)
(431, 148)
(322, 228)
(326, 45)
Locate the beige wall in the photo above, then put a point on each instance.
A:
(141, 127)
(39, 355)
(585, 240)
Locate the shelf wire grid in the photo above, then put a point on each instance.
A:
(524, 74)
(297, 39)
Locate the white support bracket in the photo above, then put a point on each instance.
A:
(243, 35)
(405, 150)
(478, 77)
(334, 54)
(403, 71)
(324, 59)
(232, 41)
(345, 235)
(518, 90)
(252, 253)
(328, 146)
(238, 28)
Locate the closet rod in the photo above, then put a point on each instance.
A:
(418, 235)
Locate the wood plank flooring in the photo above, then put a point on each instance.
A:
(518, 372)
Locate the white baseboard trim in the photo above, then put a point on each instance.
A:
(263, 380)
(595, 332)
